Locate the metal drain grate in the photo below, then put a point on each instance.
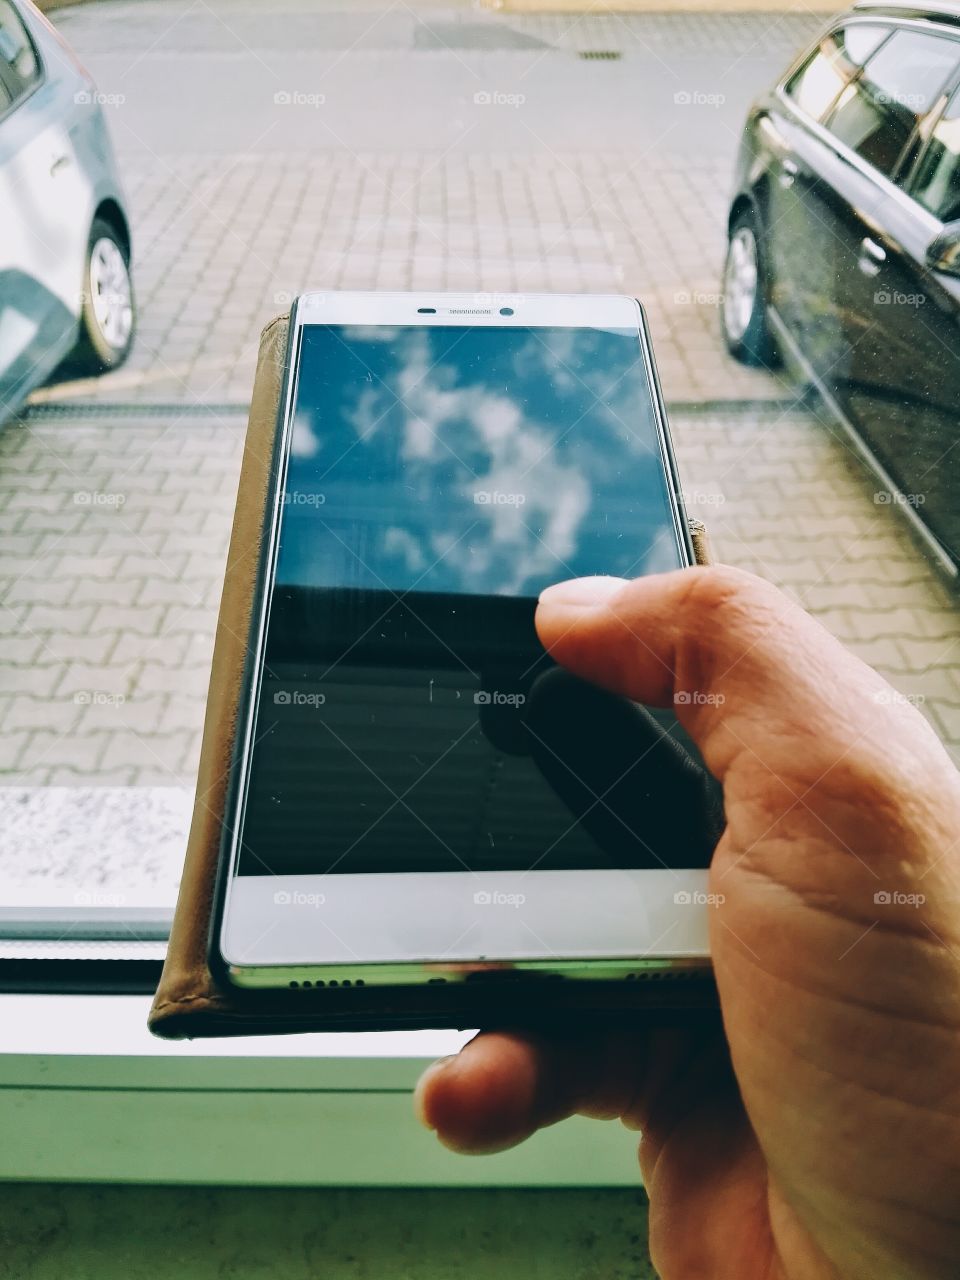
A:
(61, 409)
(108, 410)
(600, 55)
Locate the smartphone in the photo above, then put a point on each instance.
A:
(419, 796)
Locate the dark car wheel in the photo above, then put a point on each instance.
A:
(744, 314)
(108, 316)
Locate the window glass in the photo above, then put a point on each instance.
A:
(16, 50)
(498, 152)
(839, 56)
(877, 115)
(937, 181)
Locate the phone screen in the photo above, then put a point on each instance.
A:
(437, 478)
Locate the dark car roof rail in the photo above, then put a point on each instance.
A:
(944, 11)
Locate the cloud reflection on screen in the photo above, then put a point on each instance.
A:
(472, 460)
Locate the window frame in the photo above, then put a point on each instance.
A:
(87, 1095)
(82, 950)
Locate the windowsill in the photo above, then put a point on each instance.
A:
(87, 1094)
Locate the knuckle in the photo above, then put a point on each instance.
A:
(736, 606)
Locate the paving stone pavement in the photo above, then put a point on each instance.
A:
(113, 542)
(224, 243)
(309, 27)
(225, 236)
(116, 495)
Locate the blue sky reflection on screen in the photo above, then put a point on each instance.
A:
(488, 461)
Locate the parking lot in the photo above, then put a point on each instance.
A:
(116, 495)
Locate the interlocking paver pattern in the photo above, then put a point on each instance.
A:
(116, 495)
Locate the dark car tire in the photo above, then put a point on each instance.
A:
(108, 317)
(746, 328)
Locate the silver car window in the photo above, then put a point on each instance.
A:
(17, 54)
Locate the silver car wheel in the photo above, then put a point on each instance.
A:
(111, 293)
(741, 279)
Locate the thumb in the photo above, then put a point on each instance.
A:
(743, 666)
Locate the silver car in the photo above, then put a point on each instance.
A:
(66, 298)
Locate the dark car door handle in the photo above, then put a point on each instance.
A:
(872, 256)
(788, 172)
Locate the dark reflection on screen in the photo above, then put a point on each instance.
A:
(408, 720)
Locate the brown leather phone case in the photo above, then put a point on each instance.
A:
(190, 1001)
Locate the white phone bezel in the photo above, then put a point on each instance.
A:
(410, 927)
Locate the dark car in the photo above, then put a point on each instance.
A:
(844, 245)
(66, 297)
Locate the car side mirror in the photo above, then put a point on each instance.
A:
(943, 251)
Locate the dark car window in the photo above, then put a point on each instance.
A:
(19, 67)
(832, 65)
(936, 184)
(876, 116)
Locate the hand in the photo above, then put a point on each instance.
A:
(820, 1136)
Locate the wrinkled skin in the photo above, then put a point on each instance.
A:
(819, 1134)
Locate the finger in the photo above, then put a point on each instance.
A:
(738, 661)
(502, 1087)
